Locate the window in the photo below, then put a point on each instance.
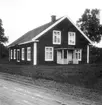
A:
(14, 53)
(28, 53)
(56, 37)
(23, 55)
(48, 53)
(11, 54)
(18, 55)
(71, 38)
(78, 54)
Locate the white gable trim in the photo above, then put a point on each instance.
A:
(50, 27)
(39, 35)
(80, 30)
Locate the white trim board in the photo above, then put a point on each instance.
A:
(88, 53)
(50, 27)
(80, 30)
(35, 54)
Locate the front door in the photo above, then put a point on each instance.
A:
(18, 55)
(65, 56)
(70, 56)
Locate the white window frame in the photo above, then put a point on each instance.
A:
(79, 54)
(11, 54)
(71, 39)
(23, 54)
(18, 59)
(28, 53)
(46, 51)
(58, 37)
(14, 54)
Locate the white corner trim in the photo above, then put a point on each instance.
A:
(87, 53)
(80, 30)
(48, 29)
(35, 54)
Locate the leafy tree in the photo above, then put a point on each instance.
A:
(3, 38)
(89, 23)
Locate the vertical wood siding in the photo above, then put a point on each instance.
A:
(46, 40)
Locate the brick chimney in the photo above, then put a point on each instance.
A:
(53, 18)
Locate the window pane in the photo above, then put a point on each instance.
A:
(11, 54)
(78, 54)
(71, 38)
(23, 55)
(56, 37)
(48, 53)
(29, 53)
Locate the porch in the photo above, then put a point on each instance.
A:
(69, 56)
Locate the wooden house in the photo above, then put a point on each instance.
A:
(57, 42)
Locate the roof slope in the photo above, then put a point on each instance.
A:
(31, 34)
(34, 34)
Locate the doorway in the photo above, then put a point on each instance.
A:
(64, 56)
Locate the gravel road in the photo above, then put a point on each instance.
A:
(13, 92)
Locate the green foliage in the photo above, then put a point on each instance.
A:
(3, 38)
(95, 55)
(3, 51)
(89, 23)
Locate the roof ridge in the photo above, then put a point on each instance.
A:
(20, 38)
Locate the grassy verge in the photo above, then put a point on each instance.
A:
(89, 76)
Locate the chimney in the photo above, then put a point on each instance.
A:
(53, 18)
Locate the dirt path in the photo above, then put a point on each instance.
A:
(14, 92)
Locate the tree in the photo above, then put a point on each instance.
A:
(89, 23)
(3, 38)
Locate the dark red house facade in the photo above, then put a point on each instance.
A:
(57, 42)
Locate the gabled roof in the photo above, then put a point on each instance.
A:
(34, 34)
(31, 34)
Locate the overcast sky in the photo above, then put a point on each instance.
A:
(20, 16)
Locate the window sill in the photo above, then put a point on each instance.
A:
(28, 59)
(48, 60)
(57, 43)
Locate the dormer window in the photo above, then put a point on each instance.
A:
(71, 38)
(56, 37)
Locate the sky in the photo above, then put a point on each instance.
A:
(21, 16)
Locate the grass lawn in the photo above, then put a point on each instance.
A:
(88, 76)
